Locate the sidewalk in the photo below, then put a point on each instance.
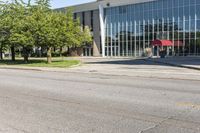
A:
(145, 68)
(185, 62)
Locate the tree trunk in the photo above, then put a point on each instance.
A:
(49, 61)
(13, 53)
(1, 56)
(25, 59)
(42, 52)
(25, 54)
(61, 51)
(1, 53)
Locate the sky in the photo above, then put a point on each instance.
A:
(64, 3)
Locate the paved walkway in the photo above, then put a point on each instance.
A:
(135, 68)
(187, 62)
(131, 67)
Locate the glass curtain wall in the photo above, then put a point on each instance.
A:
(130, 29)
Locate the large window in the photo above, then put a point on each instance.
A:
(92, 20)
(83, 19)
(130, 29)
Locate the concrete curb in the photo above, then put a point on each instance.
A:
(172, 64)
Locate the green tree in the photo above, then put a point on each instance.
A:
(44, 29)
(76, 35)
(27, 26)
(21, 34)
(7, 19)
(58, 29)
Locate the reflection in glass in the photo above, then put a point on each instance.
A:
(131, 29)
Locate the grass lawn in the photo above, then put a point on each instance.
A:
(41, 63)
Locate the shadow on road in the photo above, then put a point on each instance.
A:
(127, 62)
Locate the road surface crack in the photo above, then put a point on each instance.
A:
(157, 125)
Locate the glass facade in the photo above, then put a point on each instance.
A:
(130, 29)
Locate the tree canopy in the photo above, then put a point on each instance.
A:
(28, 25)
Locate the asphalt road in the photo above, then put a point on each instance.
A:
(72, 102)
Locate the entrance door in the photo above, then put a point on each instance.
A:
(156, 51)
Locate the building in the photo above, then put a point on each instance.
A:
(128, 27)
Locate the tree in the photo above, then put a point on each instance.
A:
(86, 36)
(21, 31)
(76, 35)
(7, 19)
(3, 45)
(45, 30)
(14, 26)
(58, 29)
(27, 26)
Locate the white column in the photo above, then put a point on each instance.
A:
(135, 39)
(173, 21)
(119, 40)
(196, 34)
(102, 28)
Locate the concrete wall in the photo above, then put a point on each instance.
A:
(96, 26)
(96, 34)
